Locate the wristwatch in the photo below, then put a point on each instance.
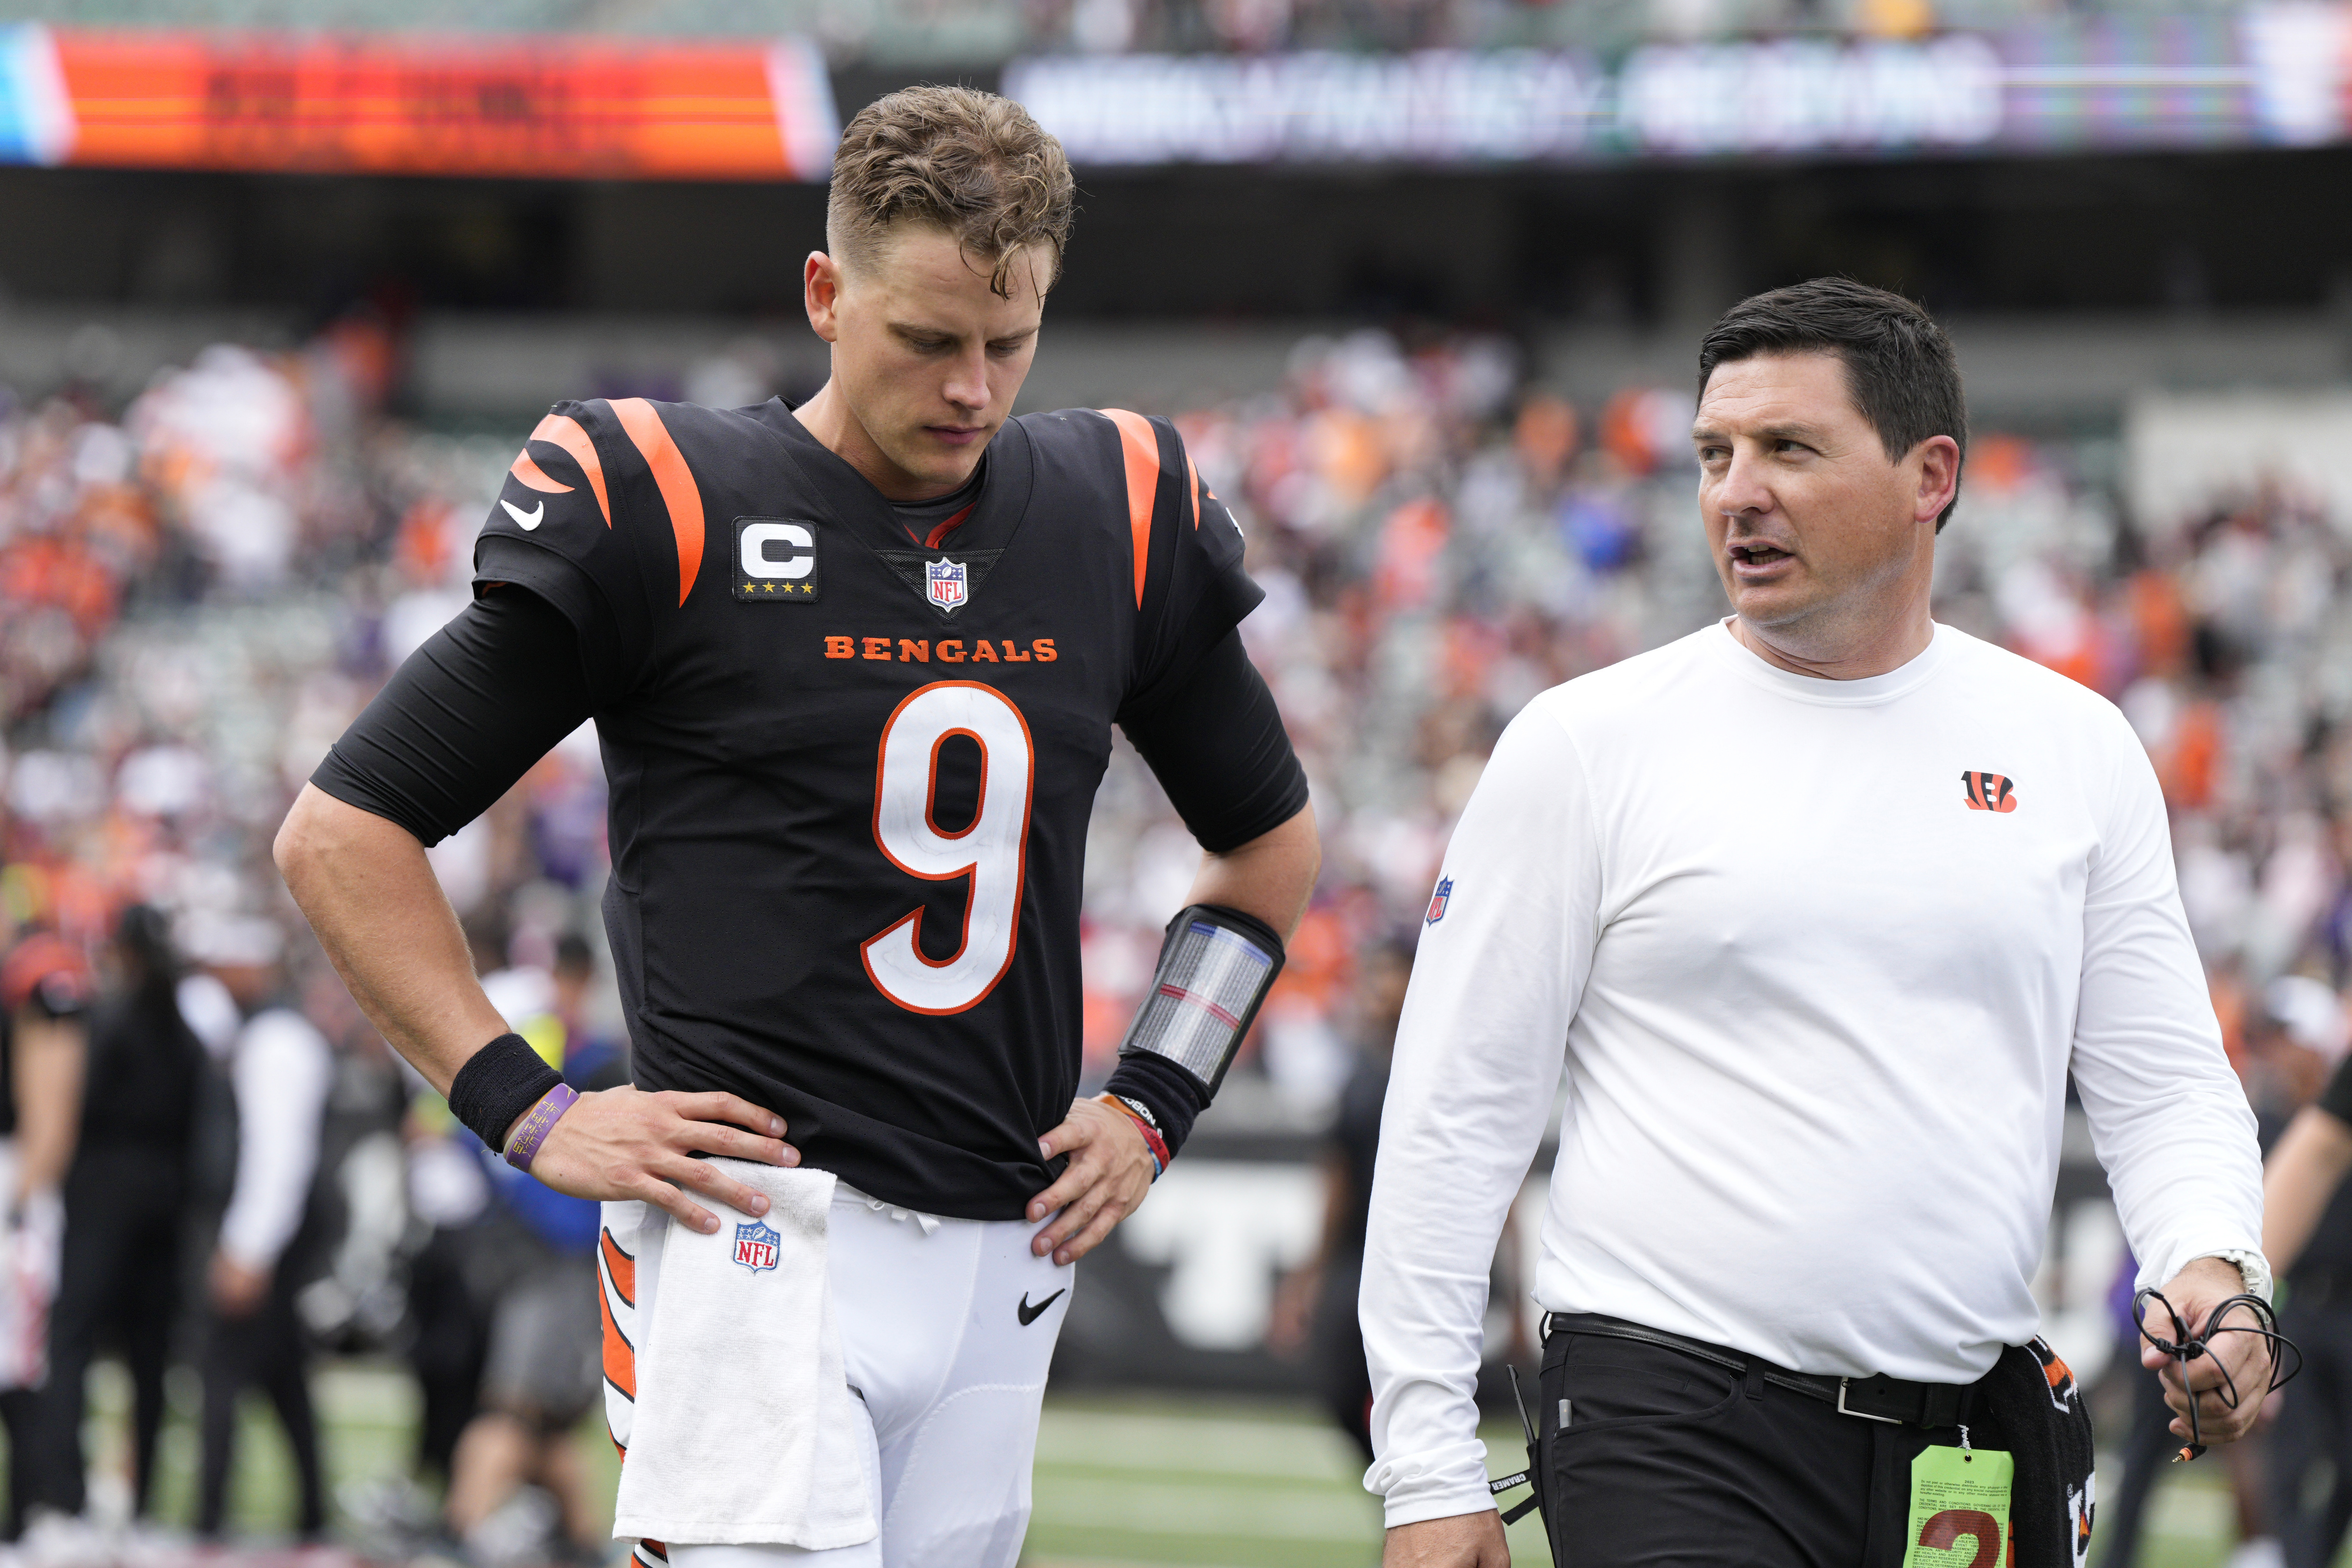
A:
(2253, 1268)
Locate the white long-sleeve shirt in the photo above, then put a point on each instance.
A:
(1817, 1013)
(282, 1071)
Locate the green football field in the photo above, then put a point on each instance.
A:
(1135, 1482)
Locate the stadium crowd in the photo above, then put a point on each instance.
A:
(199, 591)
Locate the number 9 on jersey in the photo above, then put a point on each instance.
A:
(989, 849)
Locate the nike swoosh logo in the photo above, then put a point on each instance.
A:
(1029, 1314)
(528, 519)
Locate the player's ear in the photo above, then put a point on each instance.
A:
(820, 286)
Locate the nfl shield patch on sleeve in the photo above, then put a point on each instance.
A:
(755, 1246)
(1439, 900)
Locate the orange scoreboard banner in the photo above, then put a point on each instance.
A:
(555, 107)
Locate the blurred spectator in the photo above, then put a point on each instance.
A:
(2146, 1441)
(44, 998)
(1316, 1305)
(2307, 1233)
(282, 1068)
(450, 1191)
(125, 1207)
(544, 1370)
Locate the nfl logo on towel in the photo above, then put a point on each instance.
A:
(755, 1246)
(1437, 900)
(944, 582)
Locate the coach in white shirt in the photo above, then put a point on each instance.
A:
(1820, 907)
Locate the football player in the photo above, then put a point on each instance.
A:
(853, 667)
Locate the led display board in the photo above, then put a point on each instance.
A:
(550, 107)
(2274, 74)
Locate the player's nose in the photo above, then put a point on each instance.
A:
(967, 385)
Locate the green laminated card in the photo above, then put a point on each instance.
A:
(1959, 1508)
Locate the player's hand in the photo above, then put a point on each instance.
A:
(1460, 1540)
(236, 1290)
(2194, 1292)
(1109, 1171)
(621, 1143)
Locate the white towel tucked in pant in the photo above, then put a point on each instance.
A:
(744, 1428)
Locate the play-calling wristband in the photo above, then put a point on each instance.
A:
(537, 1123)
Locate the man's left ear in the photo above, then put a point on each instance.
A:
(1940, 476)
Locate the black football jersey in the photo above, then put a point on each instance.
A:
(852, 772)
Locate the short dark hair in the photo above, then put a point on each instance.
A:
(956, 159)
(1899, 367)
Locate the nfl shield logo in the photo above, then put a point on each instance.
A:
(1437, 900)
(944, 582)
(755, 1246)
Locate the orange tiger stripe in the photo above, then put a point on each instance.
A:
(673, 479)
(620, 1356)
(621, 1267)
(566, 432)
(534, 476)
(1142, 449)
(1193, 488)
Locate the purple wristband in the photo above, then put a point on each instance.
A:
(537, 1123)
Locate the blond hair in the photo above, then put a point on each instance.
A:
(968, 163)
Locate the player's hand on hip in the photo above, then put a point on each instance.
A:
(2232, 1361)
(1109, 1171)
(621, 1143)
(1458, 1541)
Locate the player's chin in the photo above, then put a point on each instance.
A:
(1772, 603)
(927, 462)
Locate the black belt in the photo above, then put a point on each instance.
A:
(1878, 1398)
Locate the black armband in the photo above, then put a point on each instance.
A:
(497, 1085)
(1215, 968)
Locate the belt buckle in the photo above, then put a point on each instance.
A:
(1860, 1415)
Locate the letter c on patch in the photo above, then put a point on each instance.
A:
(754, 544)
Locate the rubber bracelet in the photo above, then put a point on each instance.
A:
(537, 1123)
(1151, 1139)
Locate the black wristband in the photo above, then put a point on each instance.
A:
(1174, 1097)
(497, 1085)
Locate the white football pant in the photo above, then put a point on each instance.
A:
(949, 1377)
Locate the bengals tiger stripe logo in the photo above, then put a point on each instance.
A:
(1988, 792)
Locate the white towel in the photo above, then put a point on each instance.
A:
(744, 1430)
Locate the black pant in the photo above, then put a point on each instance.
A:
(1668, 1460)
(2315, 1428)
(263, 1348)
(446, 1354)
(20, 1416)
(2149, 1449)
(119, 1271)
(1339, 1339)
